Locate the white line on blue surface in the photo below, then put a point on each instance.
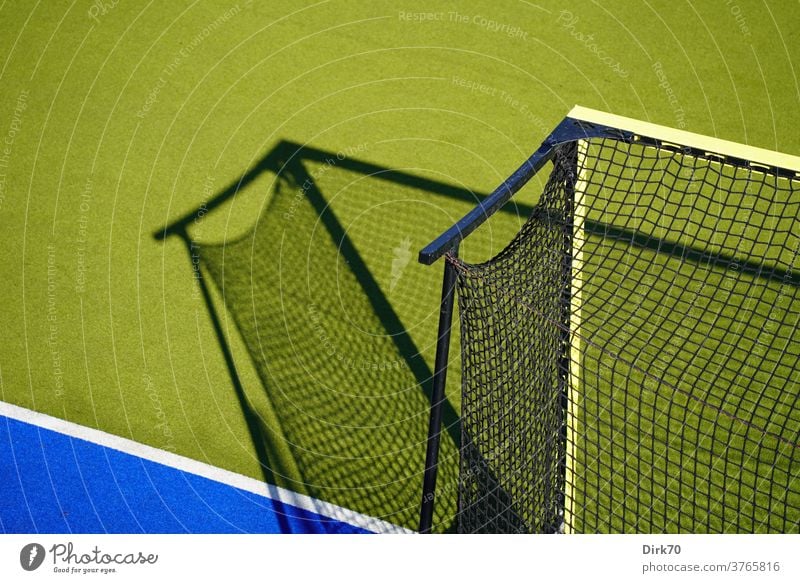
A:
(197, 468)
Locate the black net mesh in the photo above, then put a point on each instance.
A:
(631, 360)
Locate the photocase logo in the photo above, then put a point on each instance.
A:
(31, 556)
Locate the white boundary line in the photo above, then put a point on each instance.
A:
(197, 468)
(684, 138)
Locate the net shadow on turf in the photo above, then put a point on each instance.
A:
(335, 322)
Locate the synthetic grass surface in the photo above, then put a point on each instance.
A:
(117, 120)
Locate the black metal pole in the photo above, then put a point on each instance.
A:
(571, 161)
(437, 397)
(569, 130)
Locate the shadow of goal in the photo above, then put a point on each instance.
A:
(336, 319)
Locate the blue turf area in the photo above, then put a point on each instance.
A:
(54, 483)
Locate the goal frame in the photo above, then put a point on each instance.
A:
(580, 125)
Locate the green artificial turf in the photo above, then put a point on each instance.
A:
(117, 119)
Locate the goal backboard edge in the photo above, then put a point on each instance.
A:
(684, 138)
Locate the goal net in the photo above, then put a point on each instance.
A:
(631, 361)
